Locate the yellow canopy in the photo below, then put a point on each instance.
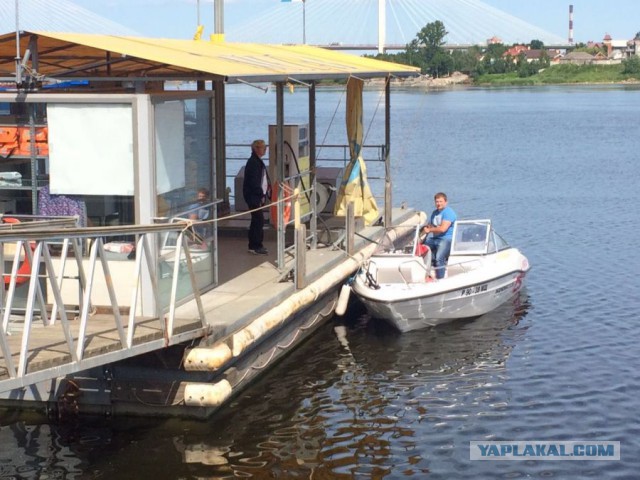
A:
(109, 57)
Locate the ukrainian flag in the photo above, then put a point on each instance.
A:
(355, 187)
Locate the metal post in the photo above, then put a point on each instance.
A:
(313, 224)
(301, 256)
(219, 163)
(219, 17)
(280, 172)
(387, 157)
(18, 61)
(350, 229)
(381, 25)
(34, 159)
(304, 22)
(300, 242)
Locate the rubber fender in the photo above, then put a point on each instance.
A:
(343, 300)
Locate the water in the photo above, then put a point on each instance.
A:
(556, 169)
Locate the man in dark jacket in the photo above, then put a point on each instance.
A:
(254, 190)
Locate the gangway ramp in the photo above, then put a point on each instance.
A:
(47, 333)
(49, 356)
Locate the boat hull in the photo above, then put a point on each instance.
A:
(411, 306)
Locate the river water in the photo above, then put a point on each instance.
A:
(556, 169)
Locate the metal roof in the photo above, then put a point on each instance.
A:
(109, 57)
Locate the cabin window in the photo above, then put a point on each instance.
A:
(184, 181)
(183, 153)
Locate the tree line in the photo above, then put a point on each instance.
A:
(427, 51)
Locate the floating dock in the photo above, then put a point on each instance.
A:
(116, 298)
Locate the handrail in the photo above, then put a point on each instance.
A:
(93, 271)
(341, 157)
(18, 232)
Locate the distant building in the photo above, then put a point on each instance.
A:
(578, 58)
(532, 55)
(513, 53)
(537, 55)
(601, 58)
(493, 40)
(633, 47)
(616, 49)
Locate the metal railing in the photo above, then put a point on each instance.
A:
(328, 155)
(42, 251)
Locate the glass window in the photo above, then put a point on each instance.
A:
(184, 184)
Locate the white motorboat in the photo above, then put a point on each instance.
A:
(397, 284)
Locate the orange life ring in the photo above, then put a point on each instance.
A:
(24, 271)
(287, 191)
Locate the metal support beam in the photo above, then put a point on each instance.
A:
(280, 172)
(350, 229)
(218, 17)
(313, 224)
(381, 25)
(219, 164)
(387, 157)
(301, 256)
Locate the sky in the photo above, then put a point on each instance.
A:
(178, 18)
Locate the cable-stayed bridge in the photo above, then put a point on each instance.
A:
(337, 24)
(55, 16)
(354, 24)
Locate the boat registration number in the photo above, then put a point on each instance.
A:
(473, 290)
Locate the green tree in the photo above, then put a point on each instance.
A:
(493, 60)
(440, 64)
(631, 66)
(466, 61)
(430, 40)
(413, 55)
(536, 45)
(432, 35)
(526, 69)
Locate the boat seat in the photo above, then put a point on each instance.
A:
(411, 270)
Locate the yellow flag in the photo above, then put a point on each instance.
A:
(198, 33)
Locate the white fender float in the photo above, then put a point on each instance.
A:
(343, 300)
(207, 394)
(207, 359)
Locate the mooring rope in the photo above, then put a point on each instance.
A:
(190, 222)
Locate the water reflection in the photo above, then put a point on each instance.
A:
(368, 403)
(33, 448)
(378, 401)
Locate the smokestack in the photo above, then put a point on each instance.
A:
(570, 24)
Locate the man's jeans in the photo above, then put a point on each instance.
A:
(440, 248)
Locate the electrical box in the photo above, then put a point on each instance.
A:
(296, 162)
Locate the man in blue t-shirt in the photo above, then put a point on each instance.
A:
(440, 227)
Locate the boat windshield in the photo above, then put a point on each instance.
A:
(496, 242)
(472, 237)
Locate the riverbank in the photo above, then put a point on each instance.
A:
(564, 74)
(554, 75)
(425, 81)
